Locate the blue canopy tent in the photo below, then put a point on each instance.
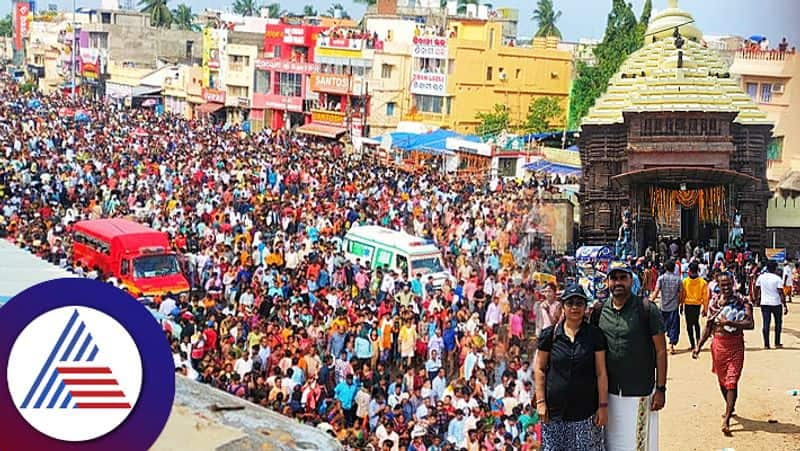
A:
(434, 142)
(552, 168)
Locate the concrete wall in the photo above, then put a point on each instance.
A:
(142, 45)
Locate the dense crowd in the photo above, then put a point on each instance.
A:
(277, 315)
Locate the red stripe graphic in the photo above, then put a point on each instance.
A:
(97, 394)
(103, 405)
(84, 370)
(90, 381)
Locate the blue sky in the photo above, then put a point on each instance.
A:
(585, 18)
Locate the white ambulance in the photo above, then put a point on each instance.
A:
(384, 248)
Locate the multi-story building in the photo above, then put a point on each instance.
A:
(340, 84)
(283, 76)
(772, 80)
(391, 73)
(183, 91)
(241, 60)
(469, 69)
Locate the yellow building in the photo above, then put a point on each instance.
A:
(772, 79)
(472, 69)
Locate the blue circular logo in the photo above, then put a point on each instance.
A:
(87, 367)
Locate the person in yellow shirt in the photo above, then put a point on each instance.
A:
(694, 301)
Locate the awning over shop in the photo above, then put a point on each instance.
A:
(691, 176)
(142, 90)
(208, 108)
(552, 168)
(325, 131)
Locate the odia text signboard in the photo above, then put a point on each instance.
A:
(278, 65)
(214, 95)
(433, 47)
(428, 84)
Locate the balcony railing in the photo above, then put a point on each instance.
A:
(765, 55)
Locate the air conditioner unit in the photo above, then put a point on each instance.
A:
(777, 88)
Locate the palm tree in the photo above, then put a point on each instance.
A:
(309, 11)
(274, 10)
(5, 25)
(546, 16)
(184, 17)
(245, 7)
(332, 11)
(160, 15)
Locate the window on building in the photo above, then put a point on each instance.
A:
(276, 51)
(489, 73)
(289, 84)
(189, 48)
(386, 71)
(263, 82)
(449, 105)
(766, 92)
(519, 73)
(238, 63)
(428, 104)
(775, 149)
(491, 38)
(98, 40)
(390, 109)
(752, 90)
(105, 17)
(238, 91)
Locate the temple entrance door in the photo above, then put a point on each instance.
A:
(690, 224)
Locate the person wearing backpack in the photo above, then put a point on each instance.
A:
(636, 362)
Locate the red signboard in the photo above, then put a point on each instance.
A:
(278, 65)
(277, 102)
(21, 12)
(213, 95)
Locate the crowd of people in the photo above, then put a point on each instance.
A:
(278, 316)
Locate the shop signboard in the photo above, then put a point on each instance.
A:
(428, 84)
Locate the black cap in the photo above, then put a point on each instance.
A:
(574, 290)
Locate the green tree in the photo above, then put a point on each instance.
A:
(160, 15)
(332, 11)
(5, 25)
(366, 2)
(184, 17)
(546, 17)
(494, 121)
(245, 7)
(542, 113)
(624, 35)
(310, 11)
(274, 10)
(644, 19)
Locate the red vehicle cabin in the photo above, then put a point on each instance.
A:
(140, 257)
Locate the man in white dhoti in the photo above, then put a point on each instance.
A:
(636, 362)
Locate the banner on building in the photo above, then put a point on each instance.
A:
(213, 95)
(277, 65)
(428, 84)
(206, 55)
(435, 48)
(328, 117)
(333, 83)
(277, 102)
(22, 11)
(90, 63)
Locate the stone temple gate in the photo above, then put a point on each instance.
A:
(677, 143)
